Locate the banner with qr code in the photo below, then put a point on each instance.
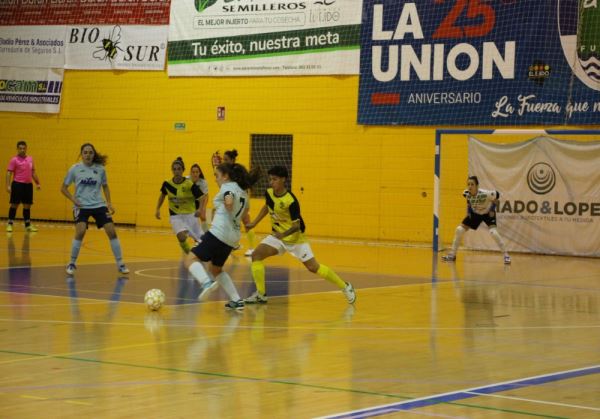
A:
(264, 37)
(549, 195)
(30, 89)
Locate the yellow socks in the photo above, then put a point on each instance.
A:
(328, 274)
(251, 237)
(258, 274)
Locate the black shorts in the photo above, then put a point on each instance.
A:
(21, 193)
(473, 220)
(101, 215)
(210, 249)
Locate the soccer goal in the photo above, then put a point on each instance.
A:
(451, 166)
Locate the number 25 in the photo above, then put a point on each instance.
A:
(447, 28)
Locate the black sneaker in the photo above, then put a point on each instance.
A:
(235, 305)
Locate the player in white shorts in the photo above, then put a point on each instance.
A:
(287, 236)
(182, 194)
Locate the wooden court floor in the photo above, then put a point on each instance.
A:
(475, 339)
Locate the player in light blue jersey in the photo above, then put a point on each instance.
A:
(231, 205)
(89, 178)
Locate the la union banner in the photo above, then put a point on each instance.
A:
(477, 62)
(549, 195)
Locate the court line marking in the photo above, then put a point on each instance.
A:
(368, 328)
(535, 401)
(237, 378)
(464, 394)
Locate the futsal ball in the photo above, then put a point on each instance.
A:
(154, 299)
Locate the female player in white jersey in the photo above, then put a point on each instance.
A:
(481, 207)
(231, 205)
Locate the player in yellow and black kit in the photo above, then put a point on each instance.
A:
(182, 193)
(287, 235)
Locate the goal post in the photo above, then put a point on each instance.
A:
(440, 134)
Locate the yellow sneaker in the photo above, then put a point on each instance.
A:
(31, 228)
(9, 228)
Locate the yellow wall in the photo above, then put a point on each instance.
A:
(358, 181)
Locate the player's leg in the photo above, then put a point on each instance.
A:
(249, 235)
(27, 201)
(470, 221)
(80, 229)
(500, 242)
(180, 227)
(270, 246)
(115, 244)
(15, 200)
(304, 252)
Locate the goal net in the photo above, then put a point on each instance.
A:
(547, 180)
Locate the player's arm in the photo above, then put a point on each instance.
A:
(64, 189)
(294, 228)
(161, 199)
(8, 180)
(261, 214)
(106, 191)
(198, 195)
(35, 177)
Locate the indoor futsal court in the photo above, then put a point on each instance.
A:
(477, 339)
(404, 196)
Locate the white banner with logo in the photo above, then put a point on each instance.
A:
(33, 46)
(117, 47)
(549, 195)
(30, 89)
(264, 37)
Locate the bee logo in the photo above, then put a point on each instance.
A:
(110, 46)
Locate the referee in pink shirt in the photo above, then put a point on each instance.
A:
(19, 176)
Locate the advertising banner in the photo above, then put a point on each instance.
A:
(30, 89)
(32, 46)
(84, 34)
(475, 62)
(549, 195)
(129, 47)
(264, 37)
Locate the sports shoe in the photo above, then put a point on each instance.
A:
(449, 258)
(71, 268)
(507, 260)
(31, 228)
(349, 293)
(9, 228)
(207, 289)
(235, 305)
(256, 298)
(248, 253)
(123, 269)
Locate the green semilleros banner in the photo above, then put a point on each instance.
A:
(264, 37)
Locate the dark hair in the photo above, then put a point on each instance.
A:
(21, 142)
(198, 166)
(279, 171)
(474, 179)
(98, 158)
(178, 161)
(238, 174)
(232, 154)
